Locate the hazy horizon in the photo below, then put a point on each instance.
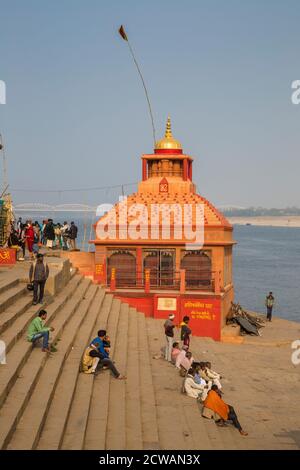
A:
(76, 116)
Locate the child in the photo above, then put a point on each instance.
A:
(185, 331)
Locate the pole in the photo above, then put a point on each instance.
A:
(125, 37)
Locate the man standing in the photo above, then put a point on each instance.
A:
(37, 330)
(73, 235)
(169, 332)
(50, 234)
(269, 302)
(38, 274)
(65, 235)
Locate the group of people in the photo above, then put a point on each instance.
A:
(96, 356)
(200, 381)
(34, 235)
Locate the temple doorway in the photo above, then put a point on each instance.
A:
(125, 264)
(197, 265)
(161, 264)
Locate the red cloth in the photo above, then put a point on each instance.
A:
(29, 234)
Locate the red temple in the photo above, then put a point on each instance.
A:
(145, 251)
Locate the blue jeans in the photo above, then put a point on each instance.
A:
(45, 336)
(269, 313)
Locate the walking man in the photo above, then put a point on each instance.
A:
(269, 302)
(169, 332)
(37, 330)
(38, 274)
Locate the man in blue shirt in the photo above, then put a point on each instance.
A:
(98, 350)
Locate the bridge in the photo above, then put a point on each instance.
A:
(39, 207)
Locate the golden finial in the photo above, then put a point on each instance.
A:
(168, 142)
(168, 133)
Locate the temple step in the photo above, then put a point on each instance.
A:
(28, 430)
(25, 363)
(88, 417)
(11, 294)
(54, 429)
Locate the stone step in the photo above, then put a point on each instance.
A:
(54, 428)
(192, 411)
(19, 327)
(174, 429)
(116, 422)
(14, 311)
(147, 394)
(220, 438)
(134, 438)
(38, 397)
(7, 282)
(9, 296)
(83, 408)
(18, 355)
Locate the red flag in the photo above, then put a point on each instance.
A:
(122, 33)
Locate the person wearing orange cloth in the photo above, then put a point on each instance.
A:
(216, 408)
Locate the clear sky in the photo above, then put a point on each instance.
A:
(76, 115)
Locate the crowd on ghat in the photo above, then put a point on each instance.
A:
(35, 235)
(200, 381)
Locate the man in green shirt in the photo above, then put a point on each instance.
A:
(269, 302)
(37, 330)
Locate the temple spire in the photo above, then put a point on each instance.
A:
(168, 142)
(168, 133)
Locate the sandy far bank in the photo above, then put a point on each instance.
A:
(278, 221)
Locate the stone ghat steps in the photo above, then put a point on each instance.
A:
(17, 348)
(28, 431)
(101, 412)
(10, 294)
(25, 363)
(46, 403)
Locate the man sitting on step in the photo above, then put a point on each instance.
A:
(37, 330)
(97, 351)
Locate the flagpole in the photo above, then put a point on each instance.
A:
(125, 37)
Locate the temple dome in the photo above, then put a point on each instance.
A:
(168, 142)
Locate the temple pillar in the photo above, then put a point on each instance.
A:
(165, 167)
(139, 267)
(191, 171)
(185, 169)
(144, 170)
